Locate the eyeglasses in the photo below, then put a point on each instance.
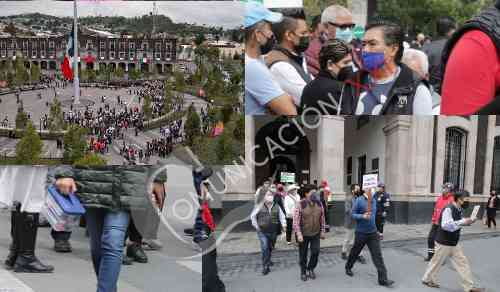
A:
(343, 26)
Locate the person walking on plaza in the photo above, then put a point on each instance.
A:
(363, 211)
(491, 208)
(268, 219)
(383, 204)
(309, 225)
(445, 199)
(291, 200)
(450, 224)
(349, 223)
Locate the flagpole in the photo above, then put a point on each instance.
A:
(76, 81)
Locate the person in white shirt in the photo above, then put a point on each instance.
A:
(291, 200)
(267, 218)
(286, 61)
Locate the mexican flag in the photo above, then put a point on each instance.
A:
(67, 65)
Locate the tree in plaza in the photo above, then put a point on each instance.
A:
(192, 126)
(134, 74)
(29, 148)
(21, 118)
(75, 144)
(224, 148)
(147, 108)
(91, 159)
(55, 120)
(199, 39)
(180, 82)
(239, 129)
(119, 72)
(226, 112)
(35, 73)
(90, 74)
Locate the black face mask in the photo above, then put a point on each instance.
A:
(268, 46)
(303, 45)
(345, 73)
(465, 205)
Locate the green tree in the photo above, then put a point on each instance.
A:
(21, 118)
(29, 148)
(75, 144)
(134, 74)
(192, 126)
(147, 108)
(35, 73)
(224, 149)
(239, 129)
(55, 120)
(91, 159)
(200, 39)
(180, 82)
(119, 72)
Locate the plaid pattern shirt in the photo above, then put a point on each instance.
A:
(297, 218)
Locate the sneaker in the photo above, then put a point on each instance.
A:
(386, 283)
(430, 284)
(349, 272)
(62, 246)
(265, 271)
(289, 243)
(303, 277)
(136, 252)
(344, 256)
(477, 290)
(361, 259)
(152, 244)
(312, 275)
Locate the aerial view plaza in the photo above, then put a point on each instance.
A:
(144, 85)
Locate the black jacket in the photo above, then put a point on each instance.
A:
(322, 94)
(496, 205)
(400, 97)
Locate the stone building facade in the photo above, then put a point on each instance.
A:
(95, 52)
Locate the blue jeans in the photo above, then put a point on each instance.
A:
(107, 237)
(267, 241)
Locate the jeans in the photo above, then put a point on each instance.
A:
(373, 242)
(289, 230)
(267, 241)
(491, 214)
(107, 236)
(312, 241)
(379, 222)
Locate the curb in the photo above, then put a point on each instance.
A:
(389, 243)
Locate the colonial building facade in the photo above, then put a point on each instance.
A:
(145, 54)
(413, 156)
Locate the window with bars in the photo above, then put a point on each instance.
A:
(361, 168)
(455, 155)
(375, 165)
(495, 170)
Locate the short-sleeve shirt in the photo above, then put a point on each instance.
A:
(260, 87)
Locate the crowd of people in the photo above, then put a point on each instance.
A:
(331, 68)
(300, 214)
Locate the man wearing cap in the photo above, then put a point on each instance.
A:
(445, 199)
(383, 203)
(262, 93)
(450, 223)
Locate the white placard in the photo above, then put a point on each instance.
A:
(370, 181)
(475, 211)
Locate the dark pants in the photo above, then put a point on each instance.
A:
(313, 243)
(289, 229)
(133, 234)
(379, 222)
(60, 235)
(491, 214)
(210, 278)
(373, 242)
(431, 238)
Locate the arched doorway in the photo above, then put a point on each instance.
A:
(112, 66)
(52, 65)
(159, 68)
(43, 65)
(27, 64)
(280, 156)
(131, 66)
(90, 66)
(122, 66)
(144, 67)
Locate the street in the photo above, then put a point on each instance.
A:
(175, 268)
(404, 262)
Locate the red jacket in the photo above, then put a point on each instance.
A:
(441, 202)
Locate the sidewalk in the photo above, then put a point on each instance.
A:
(247, 242)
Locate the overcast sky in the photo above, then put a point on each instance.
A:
(228, 14)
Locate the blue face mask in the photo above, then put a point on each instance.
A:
(373, 61)
(344, 35)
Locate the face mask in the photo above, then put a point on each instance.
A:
(345, 73)
(303, 44)
(373, 61)
(344, 35)
(465, 205)
(323, 37)
(268, 46)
